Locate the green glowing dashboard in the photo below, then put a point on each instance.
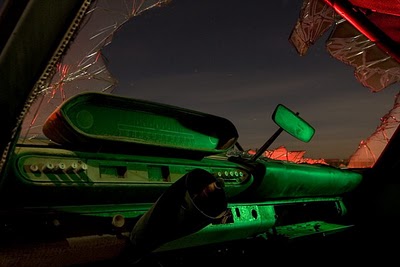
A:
(111, 149)
(109, 155)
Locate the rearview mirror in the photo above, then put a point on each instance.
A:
(292, 123)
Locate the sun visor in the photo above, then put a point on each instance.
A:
(103, 120)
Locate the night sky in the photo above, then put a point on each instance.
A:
(233, 59)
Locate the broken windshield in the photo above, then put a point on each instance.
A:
(246, 91)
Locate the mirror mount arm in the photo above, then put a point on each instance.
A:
(267, 144)
(238, 146)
